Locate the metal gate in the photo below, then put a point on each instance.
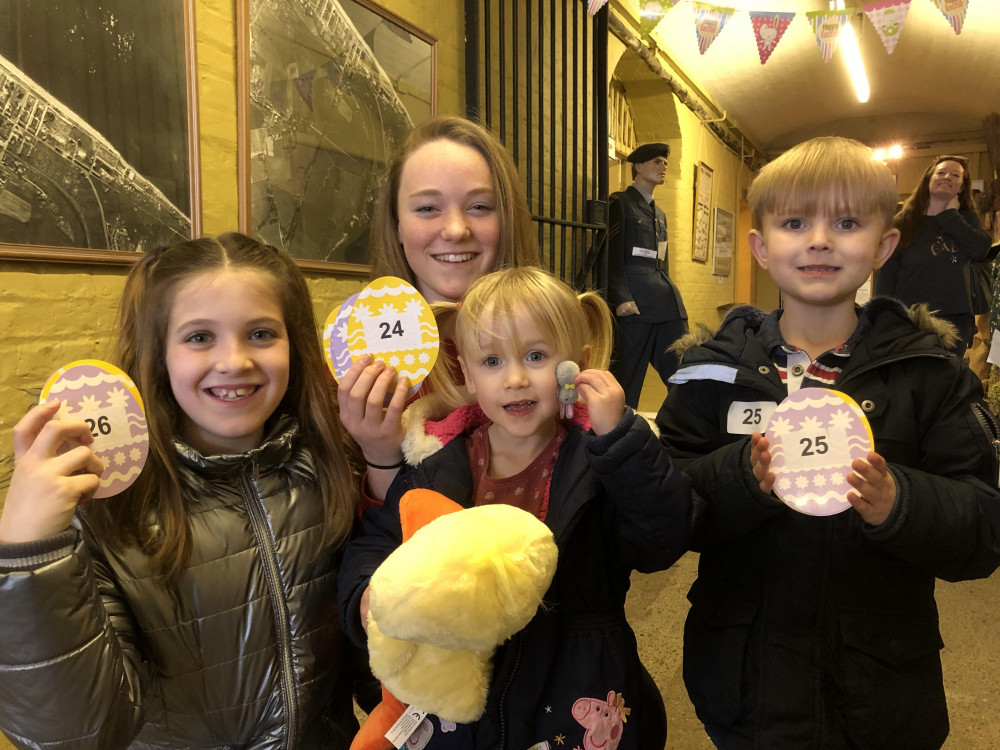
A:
(536, 75)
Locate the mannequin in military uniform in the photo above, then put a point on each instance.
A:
(646, 303)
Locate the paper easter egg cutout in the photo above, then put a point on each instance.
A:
(107, 400)
(391, 321)
(815, 434)
(338, 356)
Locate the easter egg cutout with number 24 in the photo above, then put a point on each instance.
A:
(107, 400)
(391, 321)
(815, 434)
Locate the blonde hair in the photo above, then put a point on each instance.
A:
(517, 244)
(567, 320)
(826, 174)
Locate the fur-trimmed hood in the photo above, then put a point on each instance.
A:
(922, 318)
(426, 433)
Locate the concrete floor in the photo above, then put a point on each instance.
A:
(970, 626)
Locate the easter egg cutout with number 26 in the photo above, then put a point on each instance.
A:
(391, 321)
(815, 434)
(107, 400)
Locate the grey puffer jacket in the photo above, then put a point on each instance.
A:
(244, 652)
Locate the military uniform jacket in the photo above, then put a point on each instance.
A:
(635, 273)
(822, 632)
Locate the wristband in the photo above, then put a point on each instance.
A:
(400, 465)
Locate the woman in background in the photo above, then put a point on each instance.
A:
(940, 234)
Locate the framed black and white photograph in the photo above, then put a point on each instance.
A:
(703, 179)
(98, 152)
(723, 243)
(329, 91)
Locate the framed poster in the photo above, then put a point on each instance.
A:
(723, 243)
(98, 144)
(702, 212)
(328, 92)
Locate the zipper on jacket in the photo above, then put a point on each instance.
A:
(279, 608)
(992, 429)
(503, 694)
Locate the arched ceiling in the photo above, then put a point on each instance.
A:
(935, 88)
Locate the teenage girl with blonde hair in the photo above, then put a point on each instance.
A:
(452, 209)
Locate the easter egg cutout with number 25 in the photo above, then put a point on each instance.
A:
(815, 434)
(391, 321)
(107, 400)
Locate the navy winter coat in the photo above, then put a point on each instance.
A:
(616, 505)
(822, 632)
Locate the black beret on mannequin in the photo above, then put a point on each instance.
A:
(648, 152)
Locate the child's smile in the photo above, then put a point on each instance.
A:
(227, 357)
(821, 259)
(515, 384)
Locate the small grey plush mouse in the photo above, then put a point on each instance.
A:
(566, 373)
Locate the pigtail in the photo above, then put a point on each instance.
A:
(443, 382)
(601, 328)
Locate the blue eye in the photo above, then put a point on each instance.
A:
(492, 361)
(535, 356)
(794, 224)
(262, 334)
(198, 338)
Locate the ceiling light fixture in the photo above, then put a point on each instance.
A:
(852, 55)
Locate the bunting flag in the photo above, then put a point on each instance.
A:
(651, 12)
(826, 26)
(304, 85)
(768, 28)
(954, 11)
(888, 16)
(709, 20)
(594, 6)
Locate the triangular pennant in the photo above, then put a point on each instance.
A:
(768, 28)
(826, 26)
(709, 20)
(651, 12)
(954, 11)
(594, 6)
(888, 16)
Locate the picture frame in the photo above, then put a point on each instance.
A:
(326, 99)
(98, 135)
(723, 243)
(700, 236)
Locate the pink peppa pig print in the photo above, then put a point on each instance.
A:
(603, 720)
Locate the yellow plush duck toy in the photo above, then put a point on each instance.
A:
(462, 582)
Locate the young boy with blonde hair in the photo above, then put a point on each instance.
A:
(821, 631)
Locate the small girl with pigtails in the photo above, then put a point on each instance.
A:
(597, 476)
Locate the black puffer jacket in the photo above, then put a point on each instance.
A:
(243, 652)
(806, 631)
(615, 505)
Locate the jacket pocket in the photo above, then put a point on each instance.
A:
(893, 427)
(893, 687)
(716, 635)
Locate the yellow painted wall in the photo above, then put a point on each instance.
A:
(659, 116)
(54, 313)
